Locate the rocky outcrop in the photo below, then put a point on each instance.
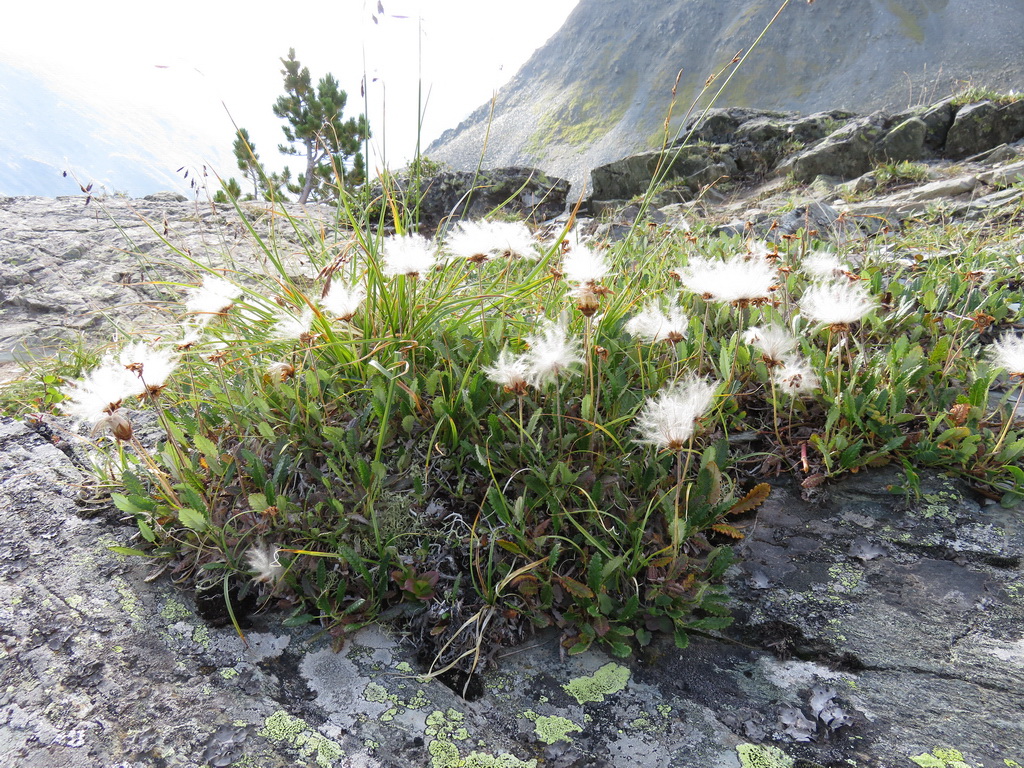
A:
(872, 630)
(449, 196)
(606, 83)
(731, 145)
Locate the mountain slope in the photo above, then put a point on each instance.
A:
(601, 87)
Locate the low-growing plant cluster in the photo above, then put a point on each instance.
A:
(495, 430)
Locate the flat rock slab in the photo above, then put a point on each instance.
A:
(869, 632)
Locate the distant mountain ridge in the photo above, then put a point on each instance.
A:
(601, 87)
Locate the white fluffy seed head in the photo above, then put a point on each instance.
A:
(735, 280)
(837, 303)
(669, 420)
(1008, 353)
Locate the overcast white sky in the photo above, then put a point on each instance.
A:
(163, 70)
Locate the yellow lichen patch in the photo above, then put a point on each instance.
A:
(445, 728)
(759, 756)
(611, 678)
(941, 757)
(294, 731)
(551, 728)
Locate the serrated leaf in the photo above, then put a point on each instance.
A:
(133, 505)
(728, 530)
(575, 588)
(579, 647)
(192, 519)
(512, 547)
(711, 623)
(753, 499)
(146, 530)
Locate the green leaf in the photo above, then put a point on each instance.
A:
(190, 518)
(133, 505)
(146, 530)
(258, 502)
(209, 450)
(128, 551)
(682, 639)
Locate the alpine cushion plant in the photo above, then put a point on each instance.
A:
(526, 435)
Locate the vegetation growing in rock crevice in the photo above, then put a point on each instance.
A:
(495, 431)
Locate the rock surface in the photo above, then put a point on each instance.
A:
(736, 146)
(871, 632)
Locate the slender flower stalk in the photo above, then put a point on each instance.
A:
(793, 377)
(837, 305)
(669, 422)
(511, 373)
(1008, 353)
(552, 354)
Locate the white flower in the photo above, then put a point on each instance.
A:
(584, 265)
(510, 371)
(652, 325)
(774, 342)
(552, 354)
(342, 301)
(214, 297)
(669, 420)
(264, 561)
(152, 366)
(279, 370)
(1008, 354)
(759, 249)
(735, 280)
(796, 377)
(823, 265)
(99, 393)
(291, 328)
(837, 304)
(479, 240)
(410, 255)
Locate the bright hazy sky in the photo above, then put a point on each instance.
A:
(162, 70)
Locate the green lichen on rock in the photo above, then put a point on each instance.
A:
(294, 731)
(173, 610)
(201, 636)
(759, 756)
(551, 728)
(611, 678)
(945, 757)
(445, 728)
(129, 600)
